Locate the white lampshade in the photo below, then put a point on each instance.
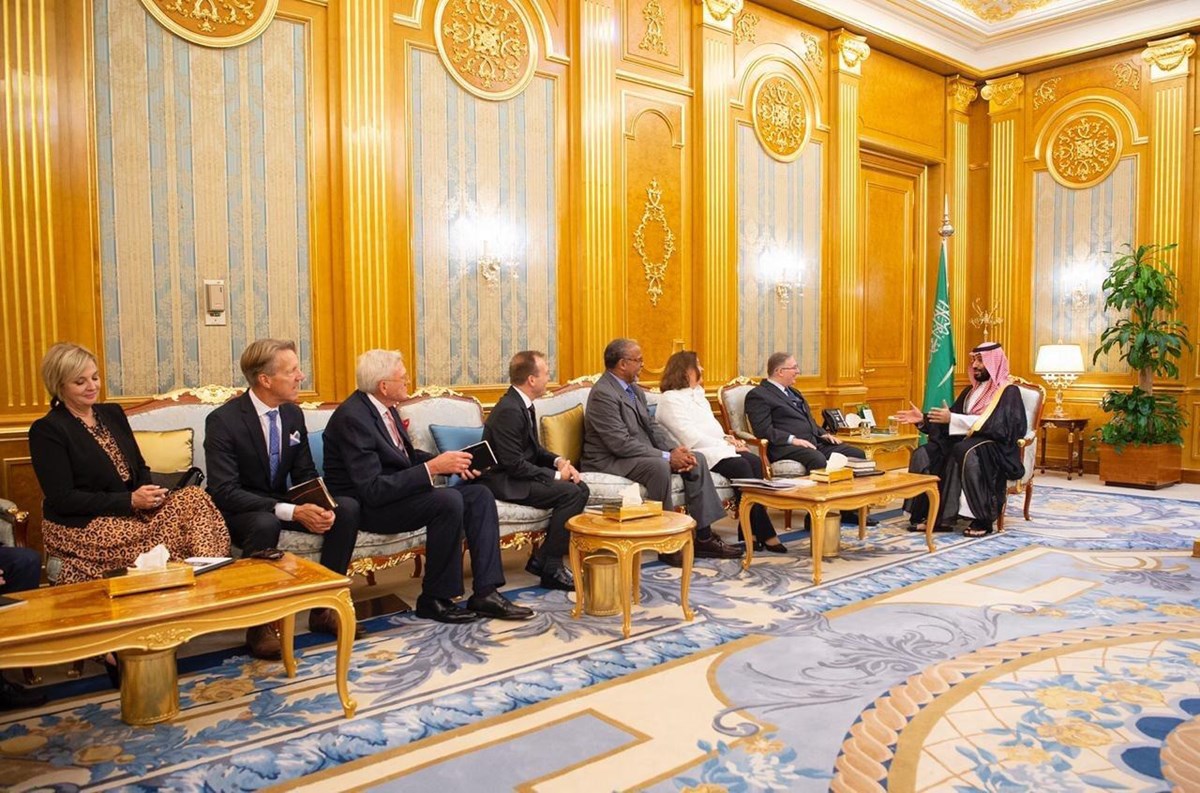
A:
(1059, 359)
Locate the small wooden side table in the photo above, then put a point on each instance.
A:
(889, 451)
(665, 533)
(1074, 427)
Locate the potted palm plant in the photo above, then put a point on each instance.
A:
(1142, 444)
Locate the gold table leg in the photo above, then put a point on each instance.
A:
(623, 565)
(287, 640)
(685, 583)
(931, 518)
(744, 521)
(345, 612)
(577, 566)
(149, 686)
(817, 525)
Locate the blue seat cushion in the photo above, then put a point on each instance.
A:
(451, 439)
(316, 443)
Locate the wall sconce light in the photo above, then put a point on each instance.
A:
(488, 242)
(1059, 365)
(782, 270)
(1081, 280)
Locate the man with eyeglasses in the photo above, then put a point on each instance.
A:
(621, 437)
(780, 413)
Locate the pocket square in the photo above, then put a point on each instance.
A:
(294, 438)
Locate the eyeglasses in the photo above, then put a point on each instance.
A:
(635, 360)
(396, 379)
(789, 368)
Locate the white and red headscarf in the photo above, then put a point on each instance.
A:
(996, 363)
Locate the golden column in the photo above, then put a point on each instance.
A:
(851, 51)
(28, 290)
(717, 252)
(960, 93)
(1005, 103)
(366, 141)
(596, 290)
(1170, 64)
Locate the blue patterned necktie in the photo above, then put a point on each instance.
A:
(273, 441)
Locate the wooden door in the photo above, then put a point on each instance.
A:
(892, 241)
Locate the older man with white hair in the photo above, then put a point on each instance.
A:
(369, 456)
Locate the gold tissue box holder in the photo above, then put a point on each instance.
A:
(647, 509)
(134, 581)
(824, 475)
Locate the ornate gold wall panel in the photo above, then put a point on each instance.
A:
(1170, 61)
(373, 294)
(28, 207)
(215, 23)
(782, 118)
(903, 107)
(488, 46)
(656, 228)
(1083, 149)
(960, 94)
(1005, 104)
(655, 34)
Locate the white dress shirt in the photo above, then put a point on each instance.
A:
(525, 400)
(686, 414)
(283, 510)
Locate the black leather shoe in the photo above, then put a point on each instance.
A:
(113, 670)
(851, 519)
(776, 548)
(326, 621)
(559, 578)
(674, 559)
(713, 547)
(443, 610)
(13, 696)
(498, 607)
(534, 566)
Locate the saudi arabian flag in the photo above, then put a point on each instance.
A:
(939, 379)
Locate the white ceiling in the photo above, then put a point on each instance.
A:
(990, 36)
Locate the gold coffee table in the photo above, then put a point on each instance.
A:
(821, 499)
(889, 451)
(665, 533)
(66, 623)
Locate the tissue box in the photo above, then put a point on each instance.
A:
(824, 475)
(647, 509)
(176, 574)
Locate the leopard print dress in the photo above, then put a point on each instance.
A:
(188, 524)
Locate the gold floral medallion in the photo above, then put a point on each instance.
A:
(214, 23)
(488, 46)
(1084, 150)
(654, 214)
(780, 117)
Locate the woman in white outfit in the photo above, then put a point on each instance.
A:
(683, 411)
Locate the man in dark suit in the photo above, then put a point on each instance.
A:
(20, 570)
(621, 437)
(529, 474)
(369, 455)
(254, 444)
(780, 413)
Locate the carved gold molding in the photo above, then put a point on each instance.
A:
(488, 46)
(852, 50)
(652, 40)
(1003, 93)
(814, 53)
(434, 391)
(1128, 74)
(720, 10)
(745, 28)
(1169, 57)
(962, 93)
(214, 23)
(655, 271)
(207, 394)
(781, 118)
(1046, 93)
(1084, 150)
(1000, 10)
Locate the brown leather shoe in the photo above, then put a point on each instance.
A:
(263, 642)
(713, 547)
(326, 621)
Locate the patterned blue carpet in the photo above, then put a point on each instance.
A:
(1063, 654)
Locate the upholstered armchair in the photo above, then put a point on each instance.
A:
(1033, 396)
(732, 397)
(14, 525)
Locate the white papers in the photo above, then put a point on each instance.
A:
(202, 564)
(631, 496)
(153, 559)
(772, 484)
(853, 420)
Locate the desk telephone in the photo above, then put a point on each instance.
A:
(833, 421)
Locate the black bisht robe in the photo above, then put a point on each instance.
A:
(980, 464)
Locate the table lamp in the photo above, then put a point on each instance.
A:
(1059, 365)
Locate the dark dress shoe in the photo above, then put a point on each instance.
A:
(263, 642)
(559, 578)
(534, 566)
(674, 559)
(443, 610)
(851, 519)
(326, 621)
(13, 696)
(776, 548)
(113, 670)
(498, 607)
(713, 547)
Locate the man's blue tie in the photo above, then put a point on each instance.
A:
(273, 441)
(629, 393)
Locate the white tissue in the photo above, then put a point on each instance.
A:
(153, 559)
(853, 420)
(631, 496)
(837, 461)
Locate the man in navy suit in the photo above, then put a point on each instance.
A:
(254, 444)
(369, 455)
(20, 570)
(527, 473)
(780, 414)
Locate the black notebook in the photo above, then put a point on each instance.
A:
(482, 457)
(6, 602)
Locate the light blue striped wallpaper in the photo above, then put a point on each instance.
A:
(202, 172)
(779, 210)
(483, 173)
